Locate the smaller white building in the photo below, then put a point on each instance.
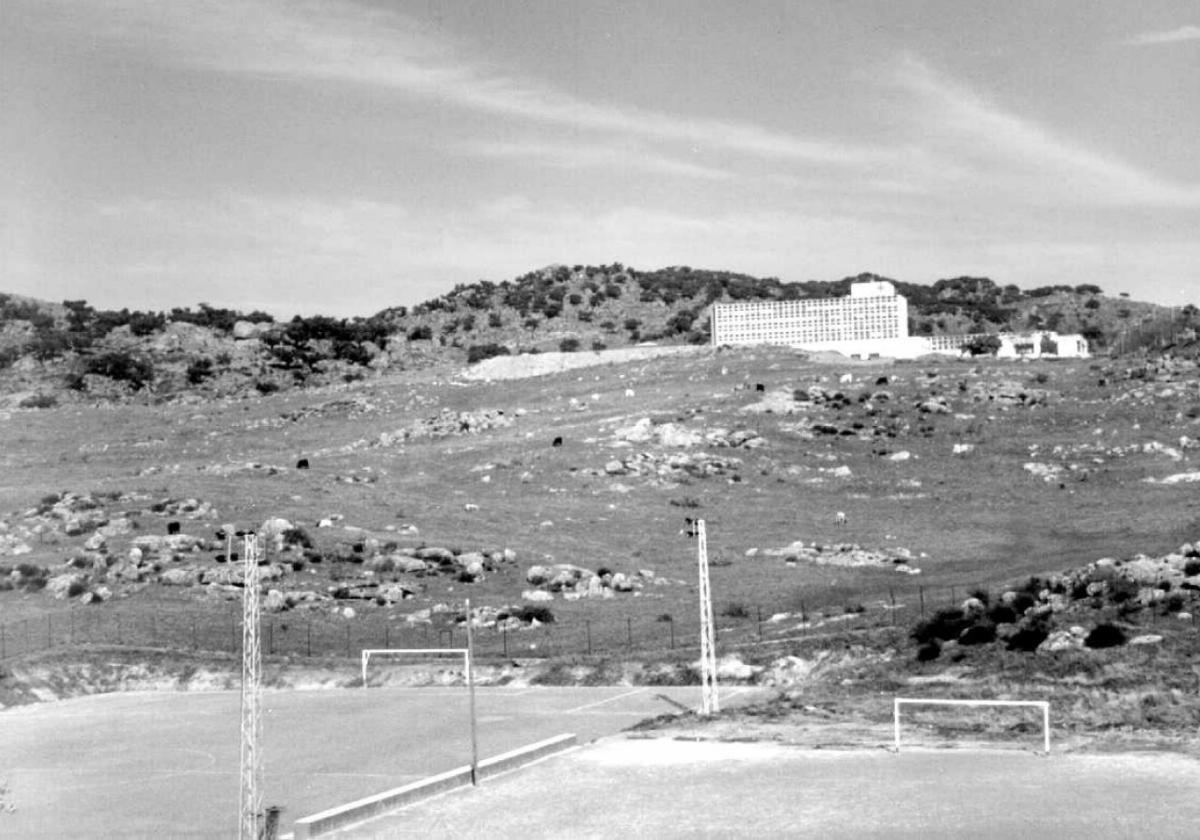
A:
(1031, 345)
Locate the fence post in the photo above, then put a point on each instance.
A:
(504, 636)
(759, 608)
(49, 631)
(921, 593)
(347, 640)
(308, 627)
(387, 636)
(3, 644)
(892, 596)
(629, 631)
(671, 623)
(195, 639)
(588, 625)
(71, 636)
(120, 639)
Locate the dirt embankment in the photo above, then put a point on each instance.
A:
(62, 674)
(540, 364)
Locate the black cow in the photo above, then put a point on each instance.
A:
(556, 442)
(302, 464)
(172, 528)
(758, 386)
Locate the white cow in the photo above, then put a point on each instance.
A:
(839, 519)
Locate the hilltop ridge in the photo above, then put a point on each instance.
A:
(55, 351)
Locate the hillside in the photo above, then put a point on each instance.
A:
(1006, 528)
(56, 352)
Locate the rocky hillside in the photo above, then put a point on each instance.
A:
(55, 352)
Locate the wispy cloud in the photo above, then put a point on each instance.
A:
(624, 157)
(1166, 36)
(1001, 151)
(335, 40)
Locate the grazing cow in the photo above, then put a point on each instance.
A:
(302, 464)
(556, 442)
(690, 527)
(839, 519)
(759, 387)
(172, 528)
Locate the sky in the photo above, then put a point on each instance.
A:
(341, 156)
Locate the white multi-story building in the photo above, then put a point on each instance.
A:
(872, 311)
(871, 321)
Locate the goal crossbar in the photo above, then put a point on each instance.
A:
(916, 701)
(367, 653)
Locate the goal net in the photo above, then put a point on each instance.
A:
(967, 721)
(415, 666)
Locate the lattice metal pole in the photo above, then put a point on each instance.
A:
(251, 779)
(709, 702)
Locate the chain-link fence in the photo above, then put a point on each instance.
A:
(325, 634)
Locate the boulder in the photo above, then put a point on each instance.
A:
(275, 601)
(536, 595)
(669, 434)
(179, 577)
(410, 565)
(470, 558)
(639, 432)
(393, 592)
(61, 586)
(83, 522)
(621, 582)
(538, 575)
(274, 528)
(973, 607)
(435, 554)
(245, 330)
(1060, 640)
(566, 576)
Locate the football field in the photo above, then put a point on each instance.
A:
(669, 789)
(166, 764)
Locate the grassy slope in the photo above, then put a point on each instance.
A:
(980, 518)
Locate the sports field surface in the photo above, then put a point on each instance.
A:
(161, 765)
(627, 786)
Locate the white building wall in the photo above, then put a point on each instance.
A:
(863, 316)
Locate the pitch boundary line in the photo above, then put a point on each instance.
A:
(605, 700)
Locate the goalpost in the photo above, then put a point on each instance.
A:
(913, 701)
(467, 655)
(416, 652)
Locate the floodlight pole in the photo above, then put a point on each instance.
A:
(251, 765)
(471, 691)
(709, 703)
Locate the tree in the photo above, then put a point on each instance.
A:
(199, 370)
(983, 345)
